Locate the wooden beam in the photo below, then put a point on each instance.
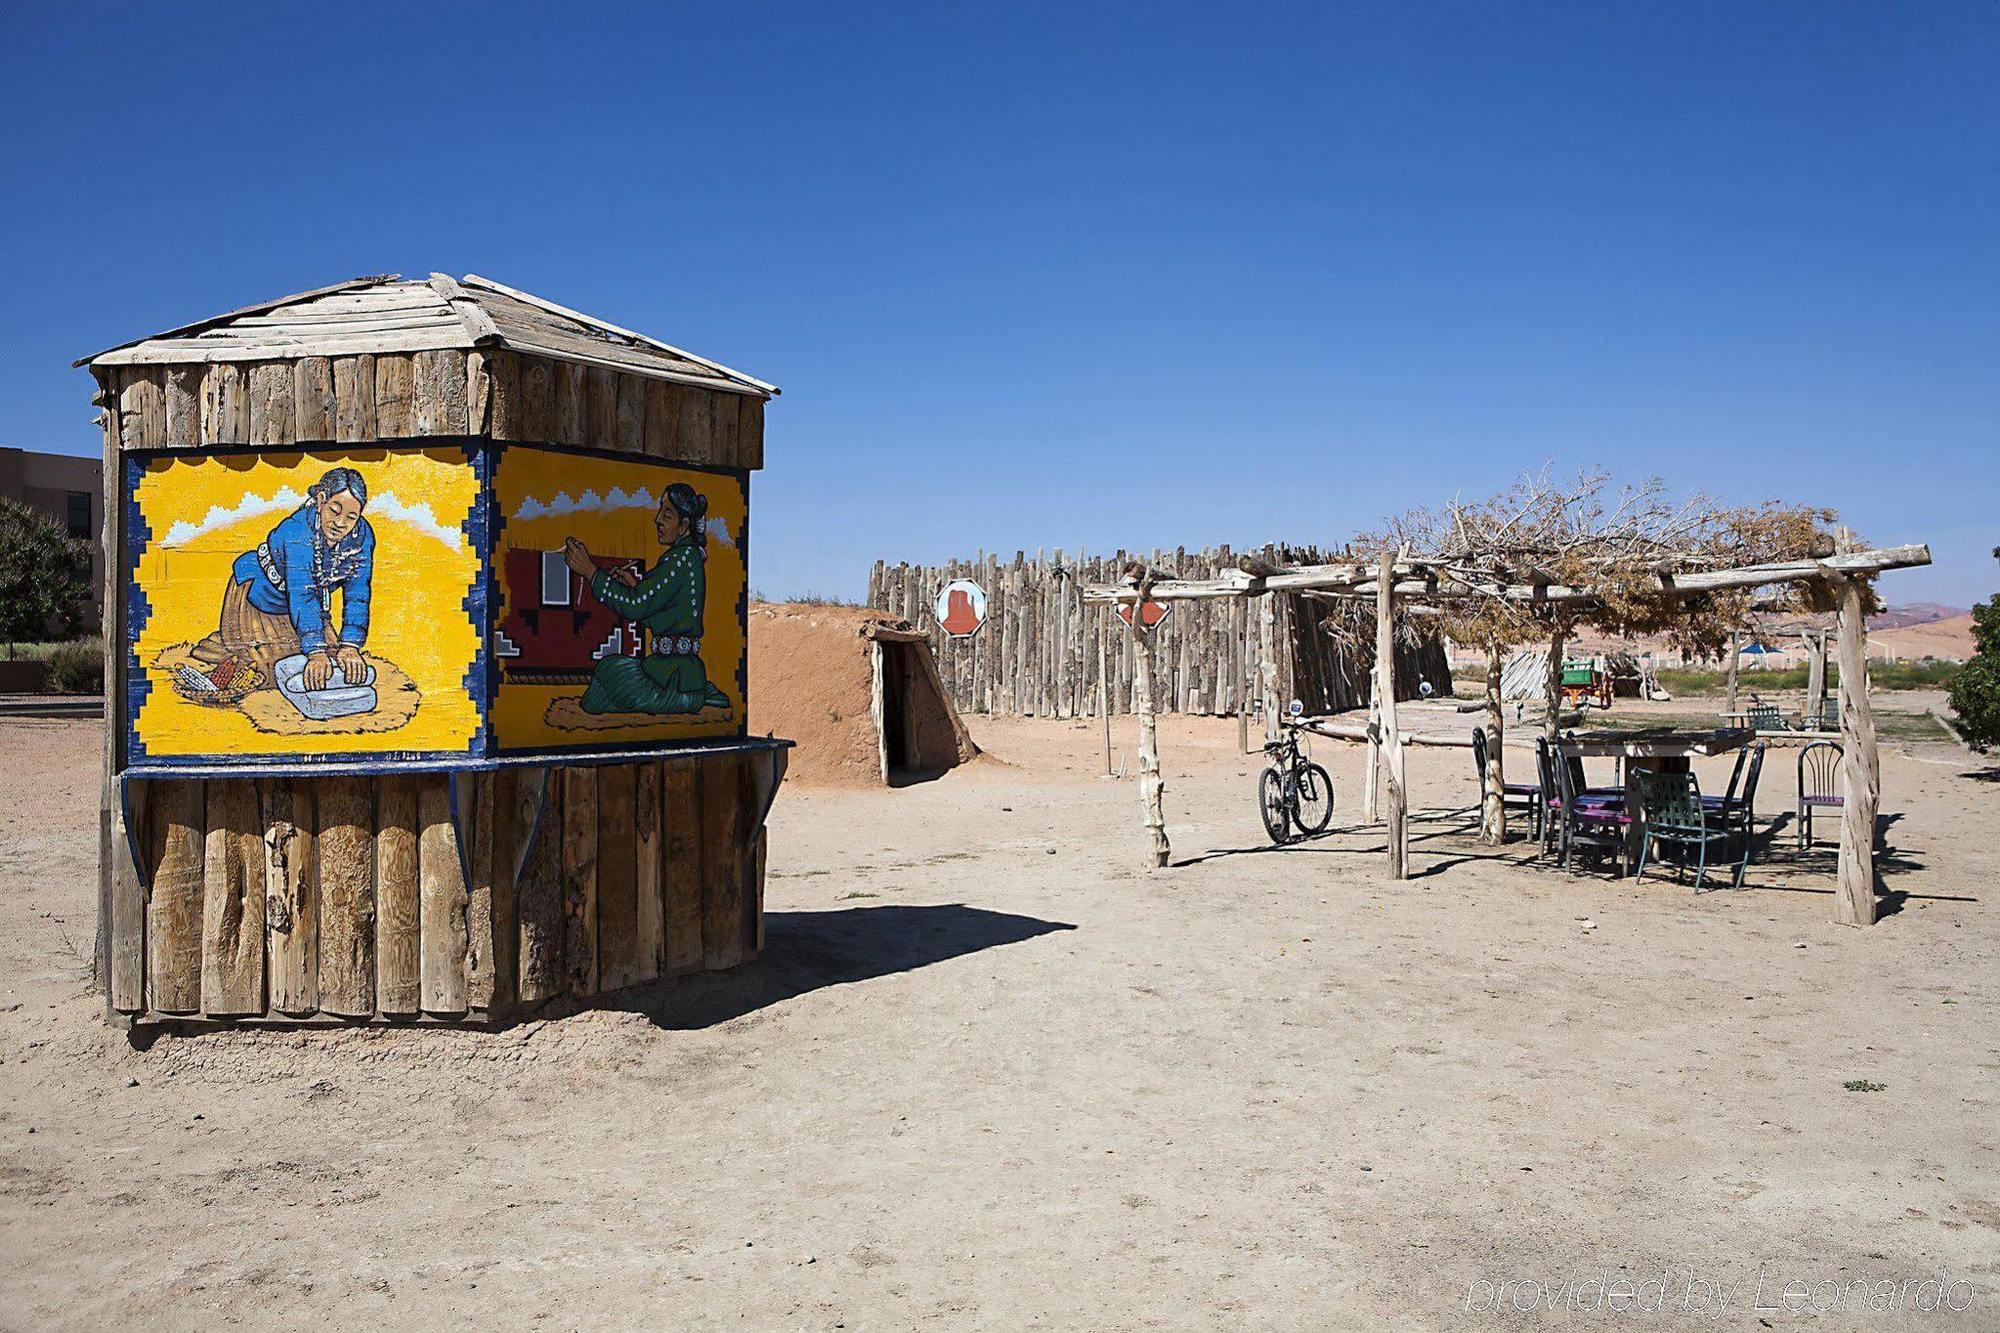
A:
(1429, 582)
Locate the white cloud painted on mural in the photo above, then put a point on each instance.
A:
(383, 506)
(617, 498)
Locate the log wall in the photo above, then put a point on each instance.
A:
(1038, 653)
(350, 898)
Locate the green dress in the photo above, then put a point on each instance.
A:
(668, 602)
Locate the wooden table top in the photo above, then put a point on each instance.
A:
(1658, 742)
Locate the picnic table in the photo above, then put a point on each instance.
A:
(1803, 726)
(1660, 749)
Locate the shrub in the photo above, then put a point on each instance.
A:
(1975, 692)
(44, 575)
(77, 668)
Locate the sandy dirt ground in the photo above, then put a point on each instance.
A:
(992, 1073)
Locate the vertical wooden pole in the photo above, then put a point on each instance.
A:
(1239, 629)
(1152, 788)
(1385, 691)
(1815, 678)
(1735, 658)
(174, 906)
(291, 897)
(121, 916)
(232, 962)
(579, 875)
(1267, 664)
(652, 901)
(398, 923)
(1493, 796)
(1860, 765)
(441, 902)
(1552, 684)
(346, 845)
(1104, 685)
(1371, 778)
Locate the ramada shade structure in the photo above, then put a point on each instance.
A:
(1418, 581)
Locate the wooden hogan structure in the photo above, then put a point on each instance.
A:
(355, 875)
(1397, 580)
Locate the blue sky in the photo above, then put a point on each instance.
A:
(1072, 276)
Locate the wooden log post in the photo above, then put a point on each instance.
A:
(1104, 686)
(534, 860)
(1152, 787)
(1371, 777)
(1552, 684)
(579, 877)
(346, 848)
(1392, 748)
(648, 885)
(680, 862)
(441, 902)
(232, 947)
(1735, 660)
(618, 963)
(1861, 773)
(1493, 782)
(174, 905)
(1241, 669)
(1815, 704)
(291, 898)
(398, 948)
(1267, 662)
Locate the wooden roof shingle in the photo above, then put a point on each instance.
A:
(386, 313)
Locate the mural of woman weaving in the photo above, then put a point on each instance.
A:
(667, 600)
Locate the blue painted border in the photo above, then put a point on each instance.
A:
(482, 526)
(138, 537)
(281, 766)
(138, 683)
(498, 525)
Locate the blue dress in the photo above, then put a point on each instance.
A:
(294, 573)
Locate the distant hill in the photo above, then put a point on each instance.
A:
(1914, 613)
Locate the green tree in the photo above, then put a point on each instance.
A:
(44, 576)
(1975, 688)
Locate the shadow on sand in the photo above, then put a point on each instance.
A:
(804, 951)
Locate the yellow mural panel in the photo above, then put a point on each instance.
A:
(618, 601)
(306, 603)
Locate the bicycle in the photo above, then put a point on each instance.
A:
(1293, 792)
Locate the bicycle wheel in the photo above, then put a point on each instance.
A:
(1271, 803)
(1312, 811)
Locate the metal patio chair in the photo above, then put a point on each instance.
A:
(1737, 811)
(1767, 717)
(1676, 817)
(1514, 795)
(1592, 819)
(1819, 784)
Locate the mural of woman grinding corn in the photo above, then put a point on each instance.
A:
(667, 599)
(279, 601)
